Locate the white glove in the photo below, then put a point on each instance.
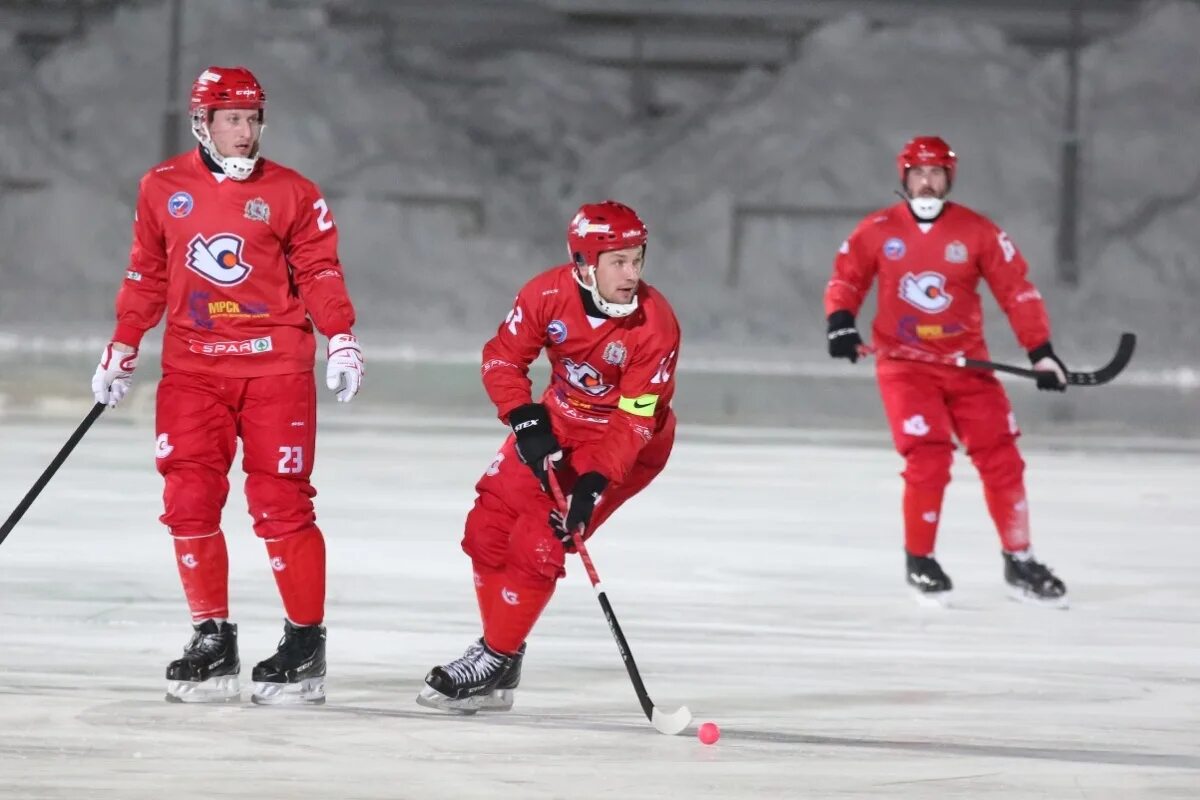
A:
(344, 373)
(114, 375)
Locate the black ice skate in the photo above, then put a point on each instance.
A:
(208, 671)
(925, 575)
(480, 679)
(296, 673)
(1031, 581)
(501, 698)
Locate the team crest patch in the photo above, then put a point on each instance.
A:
(180, 204)
(926, 291)
(257, 209)
(218, 259)
(586, 378)
(956, 253)
(557, 331)
(614, 353)
(894, 249)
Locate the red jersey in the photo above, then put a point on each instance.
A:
(611, 379)
(928, 278)
(238, 266)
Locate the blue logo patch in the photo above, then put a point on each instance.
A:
(894, 249)
(180, 205)
(557, 331)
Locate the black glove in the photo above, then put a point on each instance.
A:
(1047, 379)
(844, 340)
(535, 439)
(580, 507)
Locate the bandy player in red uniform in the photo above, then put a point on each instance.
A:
(240, 253)
(604, 424)
(929, 256)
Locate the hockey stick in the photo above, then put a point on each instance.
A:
(48, 473)
(668, 722)
(1094, 378)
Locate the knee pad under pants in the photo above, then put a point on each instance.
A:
(984, 422)
(520, 544)
(1000, 465)
(192, 500)
(927, 465)
(917, 413)
(280, 506)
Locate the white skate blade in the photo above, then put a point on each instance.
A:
(671, 722)
(1029, 598)
(221, 689)
(432, 698)
(309, 691)
(934, 599)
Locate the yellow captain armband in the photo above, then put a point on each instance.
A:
(642, 406)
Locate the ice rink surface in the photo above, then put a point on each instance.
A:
(759, 581)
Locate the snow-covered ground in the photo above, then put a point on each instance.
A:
(513, 143)
(758, 583)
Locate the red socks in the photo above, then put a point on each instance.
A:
(514, 608)
(298, 562)
(487, 588)
(203, 565)
(1010, 512)
(922, 512)
(923, 507)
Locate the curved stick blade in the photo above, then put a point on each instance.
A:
(1110, 370)
(671, 722)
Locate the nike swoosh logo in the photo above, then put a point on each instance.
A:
(636, 404)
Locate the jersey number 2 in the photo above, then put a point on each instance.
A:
(513, 319)
(324, 223)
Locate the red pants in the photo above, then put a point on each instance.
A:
(926, 406)
(199, 420)
(508, 529)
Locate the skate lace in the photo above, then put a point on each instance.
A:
(293, 647)
(204, 643)
(1036, 572)
(928, 569)
(473, 666)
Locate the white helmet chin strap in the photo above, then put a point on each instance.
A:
(236, 168)
(926, 208)
(610, 309)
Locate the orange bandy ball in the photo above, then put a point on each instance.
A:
(709, 733)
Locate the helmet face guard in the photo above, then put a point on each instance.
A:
(601, 228)
(225, 87)
(926, 151)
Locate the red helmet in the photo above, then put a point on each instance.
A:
(927, 151)
(599, 227)
(226, 87)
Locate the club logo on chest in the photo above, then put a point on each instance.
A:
(218, 259)
(586, 378)
(926, 291)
